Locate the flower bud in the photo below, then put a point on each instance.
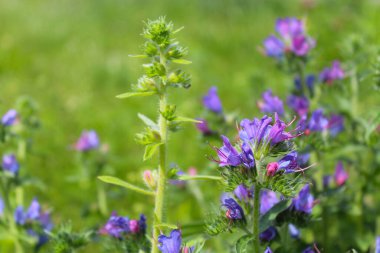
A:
(272, 169)
(149, 179)
(134, 226)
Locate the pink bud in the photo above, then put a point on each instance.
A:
(134, 226)
(149, 178)
(272, 169)
(192, 171)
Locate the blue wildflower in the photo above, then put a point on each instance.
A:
(10, 164)
(116, 226)
(271, 103)
(274, 47)
(318, 122)
(293, 231)
(211, 100)
(9, 118)
(203, 127)
(308, 250)
(228, 155)
(299, 104)
(268, 235)
(172, 243)
(268, 250)
(336, 124)
(268, 199)
(377, 248)
(87, 141)
(288, 164)
(329, 75)
(304, 202)
(309, 80)
(2, 206)
(234, 210)
(242, 193)
(303, 159)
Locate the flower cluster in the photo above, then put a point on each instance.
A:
(119, 226)
(291, 38)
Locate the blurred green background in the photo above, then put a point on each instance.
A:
(72, 58)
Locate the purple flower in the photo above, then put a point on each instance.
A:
(299, 104)
(211, 101)
(336, 124)
(171, 244)
(377, 248)
(242, 193)
(308, 250)
(19, 216)
(326, 181)
(202, 126)
(34, 210)
(267, 200)
(2, 206)
(234, 210)
(271, 104)
(268, 250)
(340, 175)
(142, 224)
(302, 159)
(10, 164)
(228, 155)
(288, 164)
(246, 156)
(289, 27)
(116, 226)
(293, 231)
(88, 140)
(301, 45)
(329, 75)
(304, 202)
(9, 118)
(268, 235)
(318, 122)
(274, 47)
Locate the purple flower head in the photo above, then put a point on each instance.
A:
(289, 27)
(267, 200)
(299, 104)
(271, 104)
(310, 80)
(10, 163)
(87, 141)
(308, 250)
(254, 131)
(318, 122)
(246, 156)
(340, 175)
(134, 226)
(304, 202)
(288, 164)
(9, 118)
(293, 231)
(202, 126)
(211, 101)
(142, 223)
(116, 226)
(274, 47)
(228, 155)
(277, 132)
(2, 206)
(268, 250)
(268, 235)
(301, 45)
(329, 75)
(234, 210)
(172, 243)
(34, 210)
(377, 248)
(19, 216)
(242, 193)
(336, 124)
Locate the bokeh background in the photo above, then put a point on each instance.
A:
(71, 57)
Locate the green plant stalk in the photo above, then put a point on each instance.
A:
(102, 198)
(256, 216)
(160, 191)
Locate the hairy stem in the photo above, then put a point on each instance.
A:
(160, 192)
(256, 215)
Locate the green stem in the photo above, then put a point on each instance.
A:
(102, 199)
(354, 94)
(256, 216)
(160, 191)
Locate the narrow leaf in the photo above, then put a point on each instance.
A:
(136, 94)
(166, 225)
(200, 177)
(150, 150)
(138, 55)
(242, 243)
(185, 119)
(181, 61)
(122, 183)
(150, 123)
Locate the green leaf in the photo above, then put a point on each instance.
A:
(181, 61)
(267, 219)
(122, 183)
(138, 55)
(150, 150)
(136, 94)
(185, 119)
(166, 225)
(242, 243)
(200, 177)
(150, 123)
